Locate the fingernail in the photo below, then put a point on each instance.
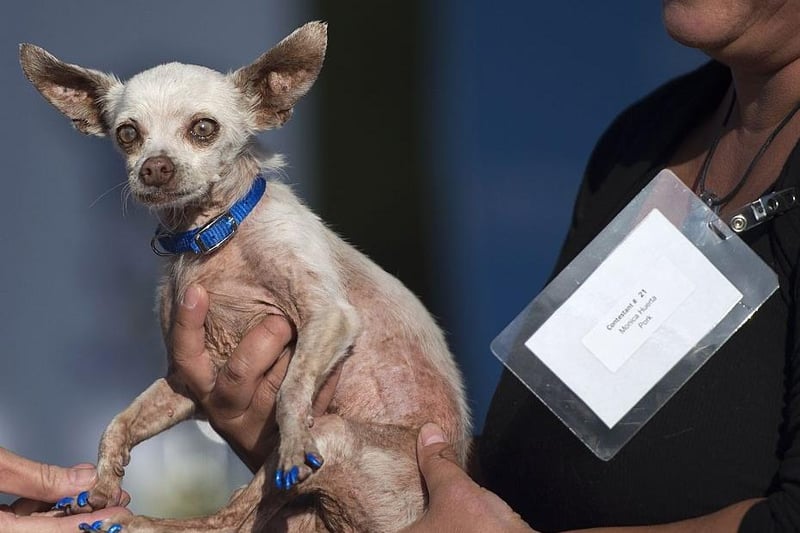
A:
(191, 297)
(431, 434)
(82, 474)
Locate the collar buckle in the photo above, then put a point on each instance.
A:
(220, 230)
(158, 248)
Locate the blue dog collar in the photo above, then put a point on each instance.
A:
(214, 233)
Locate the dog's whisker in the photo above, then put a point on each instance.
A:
(120, 184)
(125, 195)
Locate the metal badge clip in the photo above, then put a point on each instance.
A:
(765, 208)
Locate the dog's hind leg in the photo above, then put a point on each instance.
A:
(369, 482)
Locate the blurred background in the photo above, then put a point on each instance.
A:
(446, 139)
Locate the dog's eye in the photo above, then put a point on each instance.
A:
(126, 134)
(204, 128)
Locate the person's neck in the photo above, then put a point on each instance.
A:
(764, 97)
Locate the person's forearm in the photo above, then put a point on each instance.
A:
(723, 521)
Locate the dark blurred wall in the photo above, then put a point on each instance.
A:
(372, 177)
(454, 134)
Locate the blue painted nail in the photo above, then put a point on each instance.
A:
(279, 478)
(83, 498)
(64, 502)
(313, 461)
(83, 526)
(97, 525)
(294, 473)
(115, 528)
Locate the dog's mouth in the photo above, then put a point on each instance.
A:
(165, 198)
(159, 197)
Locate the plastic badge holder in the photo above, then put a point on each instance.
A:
(631, 319)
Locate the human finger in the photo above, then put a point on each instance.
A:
(187, 342)
(266, 394)
(437, 459)
(268, 391)
(10, 523)
(22, 477)
(456, 502)
(239, 379)
(262, 407)
(27, 506)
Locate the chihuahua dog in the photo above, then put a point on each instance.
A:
(187, 135)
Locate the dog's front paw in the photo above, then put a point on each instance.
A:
(104, 495)
(100, 497)
(101, 526)
(69, 505)
(289, 476)
(298, 458)
(88, 501)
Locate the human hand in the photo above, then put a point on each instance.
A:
(39, 485)
(456, 503)
(239, 400)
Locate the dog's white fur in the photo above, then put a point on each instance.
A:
(161, 98)
(398, 372)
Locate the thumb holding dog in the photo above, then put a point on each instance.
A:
(39, 485)
(456, 503)
(43, 482)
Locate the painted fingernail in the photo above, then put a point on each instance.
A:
(82, 499)
(279, 479)
(313, 461)
(115, 528)
(64, 503)
(83, 526)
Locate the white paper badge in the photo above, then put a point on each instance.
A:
(623, 327)
(638, 314)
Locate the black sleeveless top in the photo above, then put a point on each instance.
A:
(729, 434)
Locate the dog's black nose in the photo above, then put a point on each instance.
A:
(157, 170)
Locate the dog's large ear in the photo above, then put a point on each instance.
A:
(79, 93)
(280, 77)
